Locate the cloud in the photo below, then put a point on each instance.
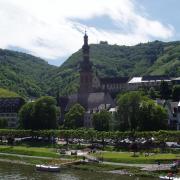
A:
(52, 29)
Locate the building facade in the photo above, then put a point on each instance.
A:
(9, 108)
(173, 110)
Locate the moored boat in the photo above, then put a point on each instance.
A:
(47, 168)
(168, 178)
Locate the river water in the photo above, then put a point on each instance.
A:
(10, 171)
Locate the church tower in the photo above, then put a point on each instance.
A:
(86, 72)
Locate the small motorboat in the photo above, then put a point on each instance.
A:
(168, 178)
(47, 168)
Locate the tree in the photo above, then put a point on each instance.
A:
(44, 113)
(101, 120)
(128, 108)
(26, 119)
(75, 117)
(138, 112)
(165, 90)
(176, 92)
(134, 148)
(151, 116)
(40, 114)
(152, 93)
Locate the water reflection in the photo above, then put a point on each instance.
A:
(9, 171)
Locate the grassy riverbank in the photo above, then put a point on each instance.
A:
(127, 157)
(30, 151)
(44, 155)
(92, 167)
(121, 157)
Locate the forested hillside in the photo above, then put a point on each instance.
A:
(32, 76)
(154, 58)
(23, 73)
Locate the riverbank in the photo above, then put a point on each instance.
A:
(92, 167)
(113, 162)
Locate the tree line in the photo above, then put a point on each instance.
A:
(135, 111)
(93, 135)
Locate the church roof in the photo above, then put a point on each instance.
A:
(90, 100)
(114, 80)
(99, 98)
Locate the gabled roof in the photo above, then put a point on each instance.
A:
(135, 80)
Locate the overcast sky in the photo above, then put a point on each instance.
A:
(53, 29)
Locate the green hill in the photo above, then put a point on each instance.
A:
(154, 58)
(31, 76)
(23, 73)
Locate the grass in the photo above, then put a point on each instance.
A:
(127, 157)
(31, 151)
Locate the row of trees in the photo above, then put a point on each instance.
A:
(136, 112)
(93, 135)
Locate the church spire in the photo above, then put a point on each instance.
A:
(85, 48)
(85, 39)
(86, 71)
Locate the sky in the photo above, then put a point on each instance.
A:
(54, 29)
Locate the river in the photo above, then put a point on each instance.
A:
(10, 171)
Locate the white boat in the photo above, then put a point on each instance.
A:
(47, 168)
(168, 178)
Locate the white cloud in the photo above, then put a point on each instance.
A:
(47, 28)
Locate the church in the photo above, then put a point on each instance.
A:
(93, 92)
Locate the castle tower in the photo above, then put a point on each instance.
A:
(86, 72)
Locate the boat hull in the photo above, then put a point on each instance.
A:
(47, 168)
(168, 178)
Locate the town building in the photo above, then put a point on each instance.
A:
(9, 108)
(147, 81)
(173, 110)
